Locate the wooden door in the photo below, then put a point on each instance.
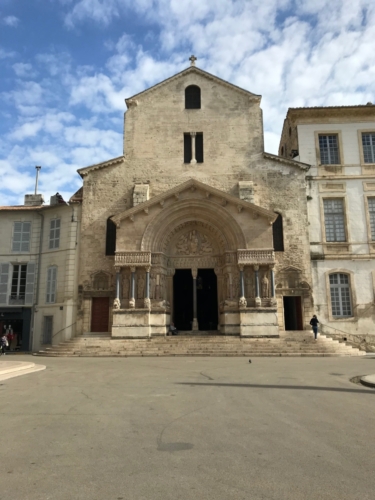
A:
(100, 314)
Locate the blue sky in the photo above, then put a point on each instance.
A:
(67, 66)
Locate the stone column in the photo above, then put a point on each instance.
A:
(117, 302)
(132, 288)
(194, 272)
(258, 301)
(147, 301)
(193, 158)
(273, 290)
(242, 301)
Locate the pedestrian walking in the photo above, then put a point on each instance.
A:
(3, 343)
(314, 323)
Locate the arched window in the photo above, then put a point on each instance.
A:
(192, 97)
(278, 234)
(110, 242)
(341, 303)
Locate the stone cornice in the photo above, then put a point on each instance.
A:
(292, 163)
(193, 184)
(192, 69)
(331, 113)
(84, 171)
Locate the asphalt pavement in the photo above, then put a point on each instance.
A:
(188, 428)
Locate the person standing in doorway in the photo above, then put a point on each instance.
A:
(314, 323)
(3, 343)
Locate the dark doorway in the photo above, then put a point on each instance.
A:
(293, 313)
(207, 299)
(100, 314)
(183, 299)
(16, 324)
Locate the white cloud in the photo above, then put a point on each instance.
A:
(11, 21)
(24, 70)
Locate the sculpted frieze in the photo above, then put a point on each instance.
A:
(193, 243)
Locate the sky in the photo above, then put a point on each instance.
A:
(66, 67)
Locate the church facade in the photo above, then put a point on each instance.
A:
(194, 224)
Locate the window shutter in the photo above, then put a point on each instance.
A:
(4, 276)
(199, 147)
(187, 148)
(30, 281)
(54, 234)
(25, 240)
(53, 284)
(17, 235)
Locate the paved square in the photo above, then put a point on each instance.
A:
(188, 428)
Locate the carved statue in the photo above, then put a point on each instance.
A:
(194, 242)
(205, 245)
(126, 287)
(141, 287)
(242, 303)
(265, 287)
(116, 304)
(182, 246)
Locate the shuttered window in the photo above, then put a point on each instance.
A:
(54, 234)
(51, 285)
(18, 289)
(30, 281)
(21, 237)
(192, 97)
(4, 277)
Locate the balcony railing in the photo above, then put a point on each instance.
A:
(16, 300)
(257, 257)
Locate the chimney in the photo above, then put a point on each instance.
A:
(34, 200)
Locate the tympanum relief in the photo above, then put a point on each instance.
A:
(193, 243)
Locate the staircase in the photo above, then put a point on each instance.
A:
(290, 343)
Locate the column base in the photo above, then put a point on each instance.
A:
(258, 302)
(195, 325)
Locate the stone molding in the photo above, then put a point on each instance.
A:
(133, 259)
(257, 257)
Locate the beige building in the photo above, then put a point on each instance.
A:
(339, 143)
(195, 224)
(39, 248)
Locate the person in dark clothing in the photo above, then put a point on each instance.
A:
(314, 323)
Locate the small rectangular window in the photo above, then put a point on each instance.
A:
(368, 146)
(371, 210)
(329, 149)
(334, 219)
(21, 237)
(51, 285)
(187, 148)
(54, 234)
(199, 147)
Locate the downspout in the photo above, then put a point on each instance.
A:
(38, 277)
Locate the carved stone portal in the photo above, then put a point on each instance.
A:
(193, 243)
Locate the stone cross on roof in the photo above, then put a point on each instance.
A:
(192, 60)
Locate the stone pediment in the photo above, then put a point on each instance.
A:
(198, 188)
(133, 101)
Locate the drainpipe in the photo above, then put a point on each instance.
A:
(38, 278)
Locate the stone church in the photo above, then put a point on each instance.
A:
(194, 224)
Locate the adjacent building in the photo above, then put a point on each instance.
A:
(339, 144)
(39, 248)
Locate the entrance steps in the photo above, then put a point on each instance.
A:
(296, 343)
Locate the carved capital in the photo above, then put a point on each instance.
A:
(133, 269)
(194, 272)
(256, 268)
(242, 303)
(118, 269)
